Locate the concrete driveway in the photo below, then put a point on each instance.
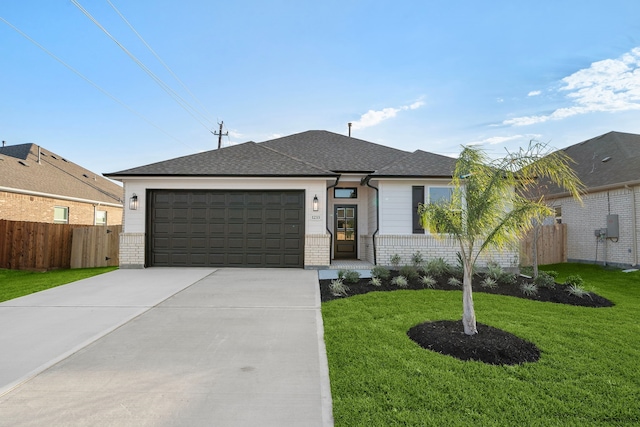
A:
(167, 347)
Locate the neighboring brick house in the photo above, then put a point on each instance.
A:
(605, 229)
(37, 185)
(298, 201)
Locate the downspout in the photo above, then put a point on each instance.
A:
(373, 236)
(634, 225)
(327, 216)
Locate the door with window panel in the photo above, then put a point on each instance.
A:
(345, 232)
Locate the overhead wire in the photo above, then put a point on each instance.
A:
(92, 83)
(176, 97)
(184, 86)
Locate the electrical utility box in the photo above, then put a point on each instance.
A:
(613, 227)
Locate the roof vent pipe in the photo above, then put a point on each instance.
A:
(349, 129)
(39, 154)
(4, 143)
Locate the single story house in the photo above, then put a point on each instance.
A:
(605, 229)
(37, 185)
(298, 201)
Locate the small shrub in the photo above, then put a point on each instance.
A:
(544, 281)
(428, 281)
(409, 271)
(341, 273)
(552, 273)
(338, 288)
(574, 280)
(380, 271)
(437, 267)
(454, 281)
(400, 281)
(417, 259)
(351, 276)
(395, 260)
(578, 291)
(495, 271)
(489, 282)
(529, 289)
(376, 281)
(508, 278)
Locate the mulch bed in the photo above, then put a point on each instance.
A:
(490, 345)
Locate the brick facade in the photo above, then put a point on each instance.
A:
(132, 250)
(583, 220)
(23, 207)
(316, 250)
(430, 247)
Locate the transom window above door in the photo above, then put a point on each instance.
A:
(345, 193)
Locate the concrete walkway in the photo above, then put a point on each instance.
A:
(165, 347)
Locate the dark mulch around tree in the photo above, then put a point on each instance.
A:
(490, 345)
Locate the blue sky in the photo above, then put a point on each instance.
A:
(429, 75)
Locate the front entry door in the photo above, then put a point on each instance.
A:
(346, 232)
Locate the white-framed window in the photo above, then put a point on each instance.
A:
(61, 215)
(441, 194)
(101, 218)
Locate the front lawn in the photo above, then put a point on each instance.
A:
(17, 283)
(587, 374)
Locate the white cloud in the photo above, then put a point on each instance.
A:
(373, 117)
(534, 93)
(495, 140)
(607, 85)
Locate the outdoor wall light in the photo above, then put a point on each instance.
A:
(315, 203)
(133, 202)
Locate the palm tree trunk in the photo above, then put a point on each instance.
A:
(468, 312)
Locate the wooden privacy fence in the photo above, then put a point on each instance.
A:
(95, 246)
(42, 246)
(552, 245)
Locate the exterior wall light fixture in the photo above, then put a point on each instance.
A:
(133, 202)
(315, 203)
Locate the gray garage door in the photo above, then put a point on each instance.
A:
(226, 228)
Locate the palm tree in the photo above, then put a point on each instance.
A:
(489, 205)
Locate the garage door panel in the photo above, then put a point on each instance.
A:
(273, 229)
(253, 229)
(235, 229)
(236, 214)
(226, 228)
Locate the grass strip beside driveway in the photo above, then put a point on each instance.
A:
(587, 374)
(17, 283)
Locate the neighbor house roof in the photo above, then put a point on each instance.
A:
(22, 169)
(312, 153)
(606, 160)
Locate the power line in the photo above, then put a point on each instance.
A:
(184, 86)
(95, 85)
(179, 100)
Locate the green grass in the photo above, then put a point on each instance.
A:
(17, 283)
(588, 374)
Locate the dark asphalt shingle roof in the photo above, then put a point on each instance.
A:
(247, 159)
(335, 152)
(419, 164)
(312, 153)
(19, 169)
(623, 165)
